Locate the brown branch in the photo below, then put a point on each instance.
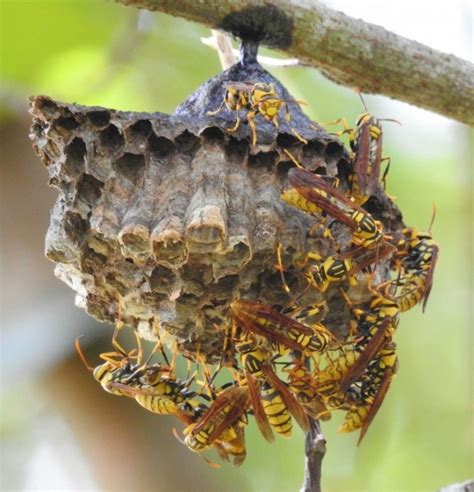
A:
(467, 486)
(348, 51)
(315, 449)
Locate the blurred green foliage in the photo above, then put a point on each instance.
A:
(89, 52)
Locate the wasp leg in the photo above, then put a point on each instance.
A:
(237, 123)
(298, 136)
(217, 111)
(250, 118)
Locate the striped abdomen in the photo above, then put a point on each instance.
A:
(275, 410)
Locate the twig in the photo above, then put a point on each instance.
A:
(263, 60)
(222, 44)
(315, 449)
(348, 51)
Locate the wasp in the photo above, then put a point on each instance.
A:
(258, 99)
(272, 402)
(118, 366)
(160, 393)
(386, 358)
(352, 363)
(302, 385)
(222, 425)
(341, 266)
(151, 385)
(285, 332)
(419, 255)
(366, 144)
(366, 141)
(322, 196)
(365, 402)
(322, 273)
(383, 310)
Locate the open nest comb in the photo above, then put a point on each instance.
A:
(163, 220)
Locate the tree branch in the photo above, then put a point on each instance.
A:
(315, 449)
(348, 51)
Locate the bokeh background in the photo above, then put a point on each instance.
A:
(59, 430)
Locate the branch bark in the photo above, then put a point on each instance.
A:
(349, 51)
(315, 449)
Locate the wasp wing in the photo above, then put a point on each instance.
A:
(366, 356)
(377, 403)
(267, 322)
(332, 201)
(288, 398)
(259, 413)
(373, 178)
(362, 157)
(237, 399)
(239, 85)
(361, 257)
(429, 276)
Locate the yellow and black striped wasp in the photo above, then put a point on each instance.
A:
(259, 98)
(119, 365)
(273, 404)
(302, 384)
(366, 142)
(318, 195)
(153, 386)
(417, 257)
(222, 426)
(284, 332)
(364, 405)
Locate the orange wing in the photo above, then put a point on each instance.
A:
(429, 277)
(362, 158)
(307, 184)
(379, 398)
(267, 322)
(362, 258)
(259, 413)
(375, 171)
(296, 410)
(366, 356)
(238, 399)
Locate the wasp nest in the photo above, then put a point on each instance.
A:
(161, 221)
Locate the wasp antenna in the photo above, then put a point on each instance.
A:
(393, 120)
(191, 378)
(178, 437)
(361, 98)
(433, 216)
(81, 354)
(162, 350)
(209, 462)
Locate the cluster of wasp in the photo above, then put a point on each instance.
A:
(285, 365)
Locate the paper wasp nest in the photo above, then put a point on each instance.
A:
(161, 221)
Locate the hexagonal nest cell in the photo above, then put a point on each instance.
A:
(162, 220)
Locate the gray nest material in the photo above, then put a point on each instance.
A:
(162, 221)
